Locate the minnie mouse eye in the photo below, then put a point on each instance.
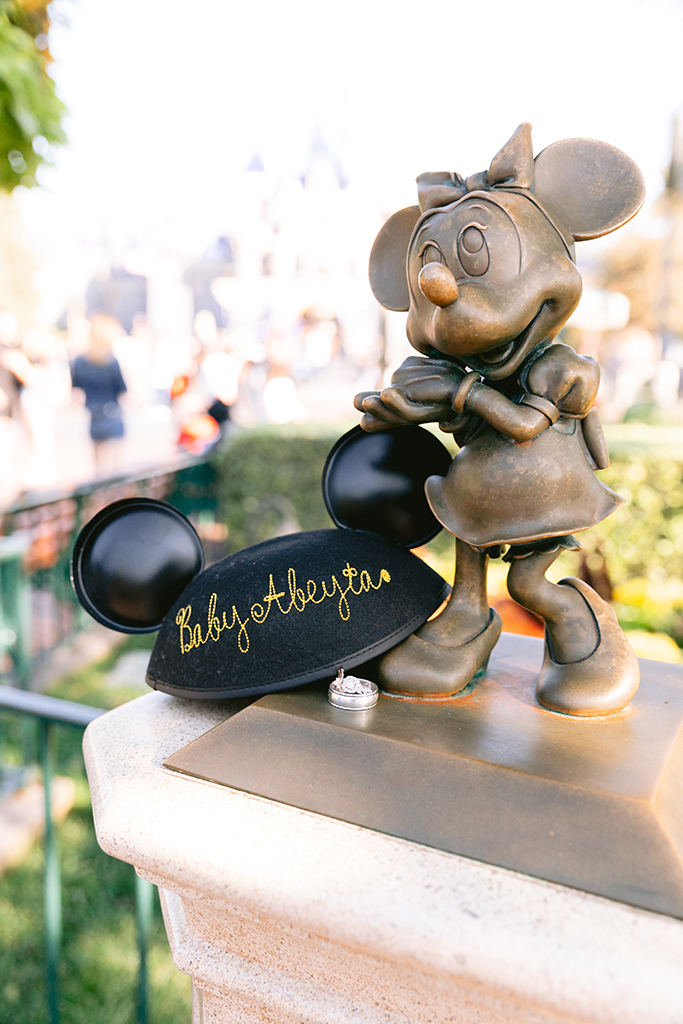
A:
(473, 251)
(430, 253)
(472, 239)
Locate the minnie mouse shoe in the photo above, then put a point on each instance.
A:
(423, 670)
(601, 684)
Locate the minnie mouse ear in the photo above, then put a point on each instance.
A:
(376, 482)
(387, 269)
(591, 187)
(132, 561)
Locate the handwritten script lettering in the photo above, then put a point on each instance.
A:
(291, 598)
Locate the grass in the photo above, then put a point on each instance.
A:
(98, 972)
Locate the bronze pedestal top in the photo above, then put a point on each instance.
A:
(592, 803)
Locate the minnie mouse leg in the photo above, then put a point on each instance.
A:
(589, 667)
(569, 624)
(467, 611)
(445, 654)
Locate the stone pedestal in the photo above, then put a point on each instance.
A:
(283, 915)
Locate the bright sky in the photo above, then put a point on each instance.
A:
(167, 98)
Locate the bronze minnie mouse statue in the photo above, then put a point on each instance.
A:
(485, 268)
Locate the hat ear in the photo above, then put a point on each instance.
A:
(388, 278)
(132, 561)
(376, 482)
(591, 187)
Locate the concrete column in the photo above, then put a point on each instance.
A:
(282, 915)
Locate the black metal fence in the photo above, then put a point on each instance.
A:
(47, 713)
(38, 611)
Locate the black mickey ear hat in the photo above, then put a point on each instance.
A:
(291, 610)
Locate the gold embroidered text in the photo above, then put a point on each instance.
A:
(293, 598)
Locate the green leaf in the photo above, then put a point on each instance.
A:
(29, 105)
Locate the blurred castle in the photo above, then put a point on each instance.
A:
(284, 246)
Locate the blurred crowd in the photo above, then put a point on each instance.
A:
(641, 374)
(95, 401)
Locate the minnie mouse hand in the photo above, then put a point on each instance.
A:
(423, 390)
(376, 416)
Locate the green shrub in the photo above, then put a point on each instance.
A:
(99, 961)
(641, 544)
(269, 482)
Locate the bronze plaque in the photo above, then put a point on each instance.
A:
(593, 803)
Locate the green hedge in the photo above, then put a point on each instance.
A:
(641, 545)
(269, 483)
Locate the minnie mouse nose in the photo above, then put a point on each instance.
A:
(438, 284)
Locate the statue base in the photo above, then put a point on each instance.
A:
(591, 803)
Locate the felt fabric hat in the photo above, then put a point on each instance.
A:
(289, 611)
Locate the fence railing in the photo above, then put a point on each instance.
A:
(38, 609)
(48, 713)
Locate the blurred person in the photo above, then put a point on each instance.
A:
(281, 403)
(48, 386)
(205, 329)
(15, 368)
(219, 376)
(369, 372)
(319, 345)
(6, 445)
(646, 377)
(153, 375)
(16, 373)
(632, 366)
(322, 344)
(666, 385)
(183, 356)
(171, 372)
(280, 399)
(252, 354)
(97, 374)
(199, 434)
(134, 355)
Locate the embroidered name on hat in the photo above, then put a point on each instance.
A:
(294, 598)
